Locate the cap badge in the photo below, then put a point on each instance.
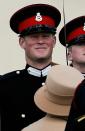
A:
(84, 27)
(38, 17)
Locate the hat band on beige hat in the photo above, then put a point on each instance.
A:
(56, 95)
(61, 100)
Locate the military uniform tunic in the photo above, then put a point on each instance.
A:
(17, 90)
(76, 119)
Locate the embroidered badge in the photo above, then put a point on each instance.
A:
(38, 17)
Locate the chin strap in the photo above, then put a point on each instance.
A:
(65, 35)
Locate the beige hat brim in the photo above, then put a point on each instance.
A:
(47, 106)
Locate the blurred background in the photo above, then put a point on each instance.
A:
(11, 55)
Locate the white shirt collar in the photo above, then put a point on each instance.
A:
(37, 72)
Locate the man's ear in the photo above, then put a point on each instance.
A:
(54, 41)
(69, 54)
(22, 42)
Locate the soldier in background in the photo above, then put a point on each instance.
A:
(72, 35)
(75, 36)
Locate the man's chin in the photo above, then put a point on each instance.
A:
(42, 59)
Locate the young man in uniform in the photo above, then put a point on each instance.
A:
(72, 35)
(75, 36)
(36, 25)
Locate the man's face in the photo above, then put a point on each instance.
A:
(76, 54)
(38, 46)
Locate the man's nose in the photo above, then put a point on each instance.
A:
(40, 39)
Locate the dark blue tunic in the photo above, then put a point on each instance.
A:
(76, 119)
(17, 105)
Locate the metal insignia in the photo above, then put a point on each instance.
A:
(84, 27)
(81, 118)
(38, 17)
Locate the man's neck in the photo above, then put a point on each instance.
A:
(39, 65)
(80, 67)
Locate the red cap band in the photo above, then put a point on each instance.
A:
(46, 20)
(75, 33)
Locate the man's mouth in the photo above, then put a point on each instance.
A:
(41, 48)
